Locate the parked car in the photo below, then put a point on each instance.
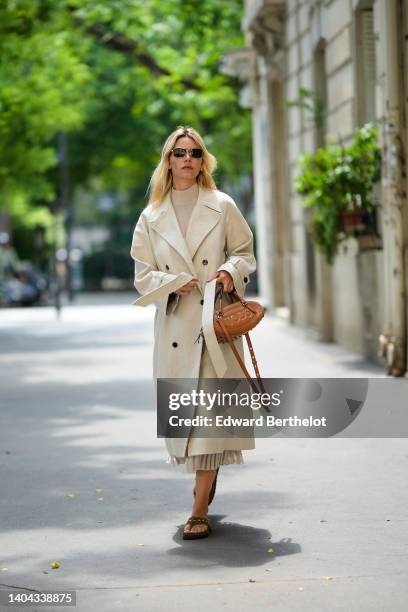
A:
(26, 287)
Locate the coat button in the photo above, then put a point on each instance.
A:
(205, 262)
(167, 267)
(174, 344)
(201, 302)
(245, 279)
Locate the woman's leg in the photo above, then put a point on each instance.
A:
(204, 480)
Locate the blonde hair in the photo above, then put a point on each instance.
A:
(161, 179)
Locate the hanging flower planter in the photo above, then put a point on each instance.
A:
(337, 182)
(352, 220)
(363, 226)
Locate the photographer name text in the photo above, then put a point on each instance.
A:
(259, 421)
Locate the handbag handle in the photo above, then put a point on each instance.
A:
(220, 292)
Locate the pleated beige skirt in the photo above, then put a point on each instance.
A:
(207, 462)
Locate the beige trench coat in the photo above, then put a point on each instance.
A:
(217, 238)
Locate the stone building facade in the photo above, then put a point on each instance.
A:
(353, 56)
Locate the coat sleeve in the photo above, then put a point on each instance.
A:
(154, 285)
(240, 262)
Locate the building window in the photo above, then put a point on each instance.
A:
(365, 65)
(320, 91)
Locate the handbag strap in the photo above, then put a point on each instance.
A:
(255, 363)
(252, 353)
(241, 363)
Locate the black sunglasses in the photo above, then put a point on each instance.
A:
(178, 152)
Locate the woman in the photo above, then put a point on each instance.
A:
(188, 238)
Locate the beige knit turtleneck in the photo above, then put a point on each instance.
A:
(183, 201)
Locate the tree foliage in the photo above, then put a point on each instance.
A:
(116, 76)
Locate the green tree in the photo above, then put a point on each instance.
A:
(116, 77)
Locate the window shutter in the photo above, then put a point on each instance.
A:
(368, 63)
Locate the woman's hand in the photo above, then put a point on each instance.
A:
(225, 278)
(185, 289)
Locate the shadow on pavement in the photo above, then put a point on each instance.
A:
(233, 545)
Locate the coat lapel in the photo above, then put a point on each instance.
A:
(206, 214)
(204, 218)
(165, 223)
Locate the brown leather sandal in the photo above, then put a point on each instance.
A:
(195, 535)
(213, 488)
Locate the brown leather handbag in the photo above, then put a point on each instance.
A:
(235, 320)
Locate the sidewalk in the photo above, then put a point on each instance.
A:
(311, 524)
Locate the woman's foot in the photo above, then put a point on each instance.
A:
(198, 512)
(195, 521)
(195, 527)
(204, 481)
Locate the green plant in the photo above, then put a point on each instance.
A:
(335, 179)
(311, 103)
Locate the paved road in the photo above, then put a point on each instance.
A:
(311, 524)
